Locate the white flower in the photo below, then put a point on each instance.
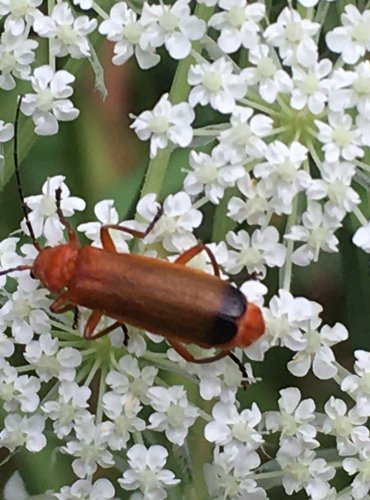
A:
(339, 138)
(171, 26)
(316, 350)
(361, 238)
(67, 34)
(8, 256)
(256, 252)
(310, 86)
(19, 14)
(175, 226)
(146, 471)
(211, 174)
(23, 431)
(293, 420)
(43, 216)
(84, 489)
(269, 78)
(106, 214)
(346, 426)
(335, 184)
(122, 410)
(90, 448)
(18, 391)
(174, 414)
(16, 56)
(127, 31)
(231, 474)
(293, 36)
(166, 122)
(358, 385)
(316, 232)
(71, 405)
(130, 380)
(230, 426)
(352, 40)
(360, 485)
(50, 103)
(308, 472)
(242, 141)
(49, 361)
(282, 177)
(238, 23)
(253, 207)
(23, 311)
(216, 84)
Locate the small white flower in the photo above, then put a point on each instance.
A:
(293, 36)
(238, 23)
(19, 14)
(50, 102)
(175, 226)
(43, 216)
(270, 79)
(122, 410)
(310, 86)
(230, 426)
(216, 84)
(8, 256)
(24, 311)
(316, 232)
(294, 420)
(346, 426)
(358, 385)
(166, 122)
(352, 40)
(253, 207)
(316, 350)
(242, 141)
(171, 26)
(106, 214)
(71, 405)
(211, 174)
(23, 431)
(18, 391)
(282, 177)
(174, 414)
(84, 489)
(67, 34)
(124, 28)
(256, 252)
(339, 137)
(335, 184)
(16, 56)
(49, 361)
(90, 448)
(231, 474)
(146, 471)
(308, 472)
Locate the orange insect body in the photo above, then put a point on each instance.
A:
(178, 302)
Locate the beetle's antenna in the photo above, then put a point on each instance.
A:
(18, 177)
(18, 268)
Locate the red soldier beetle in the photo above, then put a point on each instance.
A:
(183, 304)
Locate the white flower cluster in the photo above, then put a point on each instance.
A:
(286, 153)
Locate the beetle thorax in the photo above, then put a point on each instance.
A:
(55, 266)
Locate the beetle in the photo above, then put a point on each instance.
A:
(183, 304)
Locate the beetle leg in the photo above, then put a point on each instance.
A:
(182, 350)
(92, 322)
(193, 251)
(106, 238)
(60, 304)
